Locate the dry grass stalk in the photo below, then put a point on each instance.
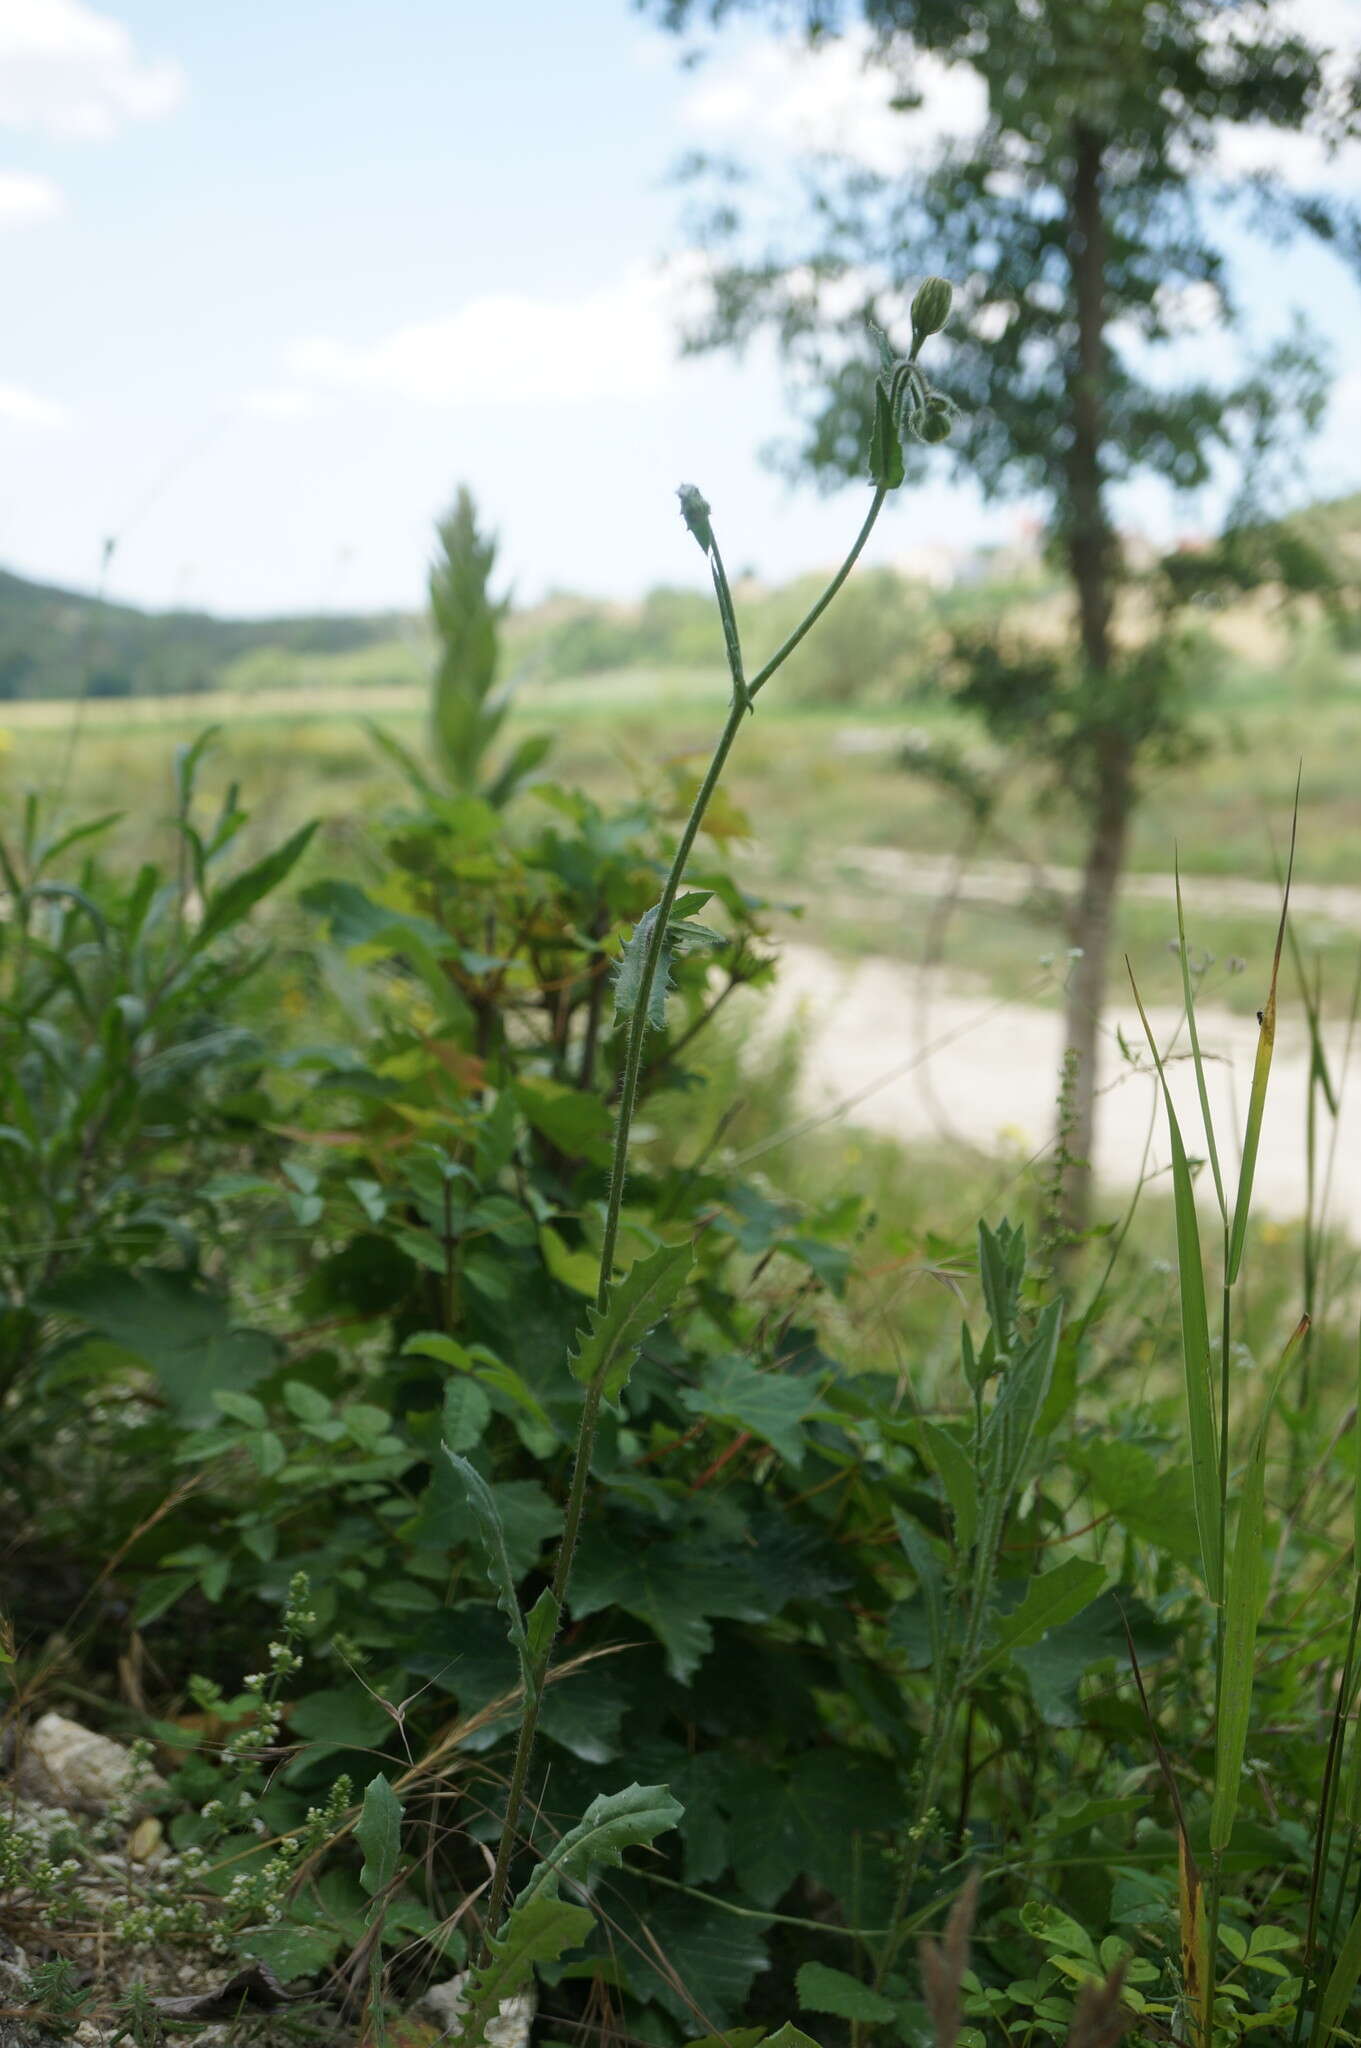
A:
(943, 1965)
(1100, 2019)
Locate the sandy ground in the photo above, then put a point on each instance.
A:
(934, 1064)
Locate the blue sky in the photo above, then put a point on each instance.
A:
(277, 278)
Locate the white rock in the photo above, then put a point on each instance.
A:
(62, 1764)
(443, 2003)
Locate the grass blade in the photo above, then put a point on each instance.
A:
(1245, 1593)
(1188, 998)
(1266, 1040)
(1195, 1338)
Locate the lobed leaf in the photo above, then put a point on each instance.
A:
(606, 1348)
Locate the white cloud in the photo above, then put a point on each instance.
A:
(773, 91)
(618, 342)
(26, 409)
(26, 199)
(68, 71)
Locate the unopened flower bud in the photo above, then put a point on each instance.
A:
(695, 512)
(930, 308)
(936, 421)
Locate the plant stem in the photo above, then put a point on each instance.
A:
(628, 1096)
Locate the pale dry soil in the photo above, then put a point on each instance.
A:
(914, 1057)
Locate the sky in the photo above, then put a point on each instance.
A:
(275, 279)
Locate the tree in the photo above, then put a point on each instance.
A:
(1083, 227)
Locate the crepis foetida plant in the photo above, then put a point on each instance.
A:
(627, 1306)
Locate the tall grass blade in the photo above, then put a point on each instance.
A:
(1337, 1992)
(1266, 1041)
(1189, 1001)
(1244, 1595)
(1195, 1338)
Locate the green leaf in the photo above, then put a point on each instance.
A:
(770, 1405)
(886, 449)
(1050, 1600)
(493, 1536)
(178, 1329)
(1195, 1340)
(1011, 1423)
(670, 1584)
(540, 1931)
(292, 1951)
(467, 1411)
(955, 1467)
(577, 1270)
(822, 1989)
(354, 919)
(1337, 1993)
(606, 1348)
(1245, 1593)
(922, 1559)
(1261, 1074)
(378, 1832)
(789, 2036)
(628, 977)
(575, 1122)
(613, 1822)
(229, 904)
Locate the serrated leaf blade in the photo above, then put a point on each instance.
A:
(608, 1345)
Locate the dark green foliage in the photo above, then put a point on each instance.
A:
(61, 643)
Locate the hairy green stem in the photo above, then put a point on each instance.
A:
(628, 1096)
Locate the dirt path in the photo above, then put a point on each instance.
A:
(967, 1070)
(1014, 882)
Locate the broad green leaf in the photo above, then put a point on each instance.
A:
(577, 1123)
(670, 1584)
(292, 1951)
(959, 1479)
(491, 1371)
(467, 1411)
(577, 1270)
(613, 1822)
(789, 2036)
(822, 1989)
(378, 1832)
(771, 1405)
(1050, 1600)
(1149, 1497)
(1195, 1339)
(606, 1348)
(235, 899)
(540, 1931)
(922, 1559)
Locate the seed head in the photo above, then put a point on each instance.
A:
(930, 308)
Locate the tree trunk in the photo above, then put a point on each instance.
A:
(1107, 764)
(1111, 801)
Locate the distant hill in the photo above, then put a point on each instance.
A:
(61, 643)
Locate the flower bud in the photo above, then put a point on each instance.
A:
(695, 512)
(930, 308)
(936, 421)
